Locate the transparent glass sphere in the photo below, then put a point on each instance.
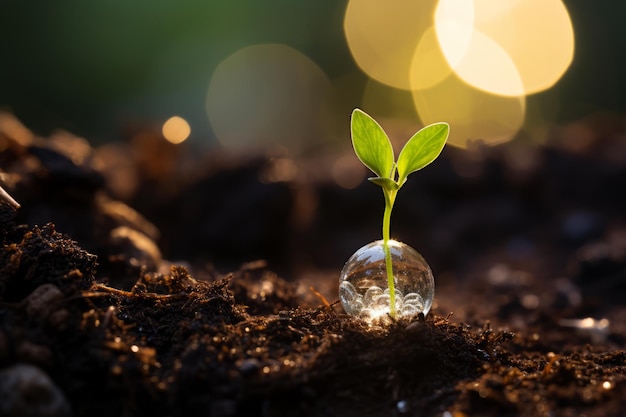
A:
(363, 288)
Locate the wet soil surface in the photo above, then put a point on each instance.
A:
(141, 278)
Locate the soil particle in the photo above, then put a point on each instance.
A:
(43, 301)
(26, 391)
(44, 256)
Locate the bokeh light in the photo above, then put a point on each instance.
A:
(469, 62)
(474, 115)
(348, 172)
(487, 66)
(383, 36)
(162, 58)
(454, 25)
(428, 65)
(530, 40)
(176, 130)
(268, 95)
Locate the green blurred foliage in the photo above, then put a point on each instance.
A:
(94, 66)
(86, 65)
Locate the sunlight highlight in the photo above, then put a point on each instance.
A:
(474, 115)
(469, 62)
(454, 26)
(532, 40)
(268, 95)
(487, 66)
(383, 36)
(428, 66)
(176, 130)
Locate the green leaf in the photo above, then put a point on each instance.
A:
(386, 183)
(371, 144)
(422, 149)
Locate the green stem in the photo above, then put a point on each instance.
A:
(390, 197)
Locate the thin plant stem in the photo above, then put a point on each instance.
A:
(390, 197)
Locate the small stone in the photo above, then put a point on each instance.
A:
(59, 319)
(416, 327)
(138, 247)
(26, 390)
(43, 301)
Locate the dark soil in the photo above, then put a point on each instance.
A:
(197, 300)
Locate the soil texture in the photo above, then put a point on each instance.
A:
(145, 278)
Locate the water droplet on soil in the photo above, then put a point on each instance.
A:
(403, 406)
(363, 288)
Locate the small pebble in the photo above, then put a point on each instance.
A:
(415, 326)
(43, 301)
(26, 391)
(59, 319)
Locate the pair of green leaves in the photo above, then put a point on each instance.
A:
(373, 147)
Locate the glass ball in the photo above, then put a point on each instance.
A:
(363, 288)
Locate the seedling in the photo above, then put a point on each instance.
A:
(373, 148)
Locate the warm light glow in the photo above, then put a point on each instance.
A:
(510, 48)
(428, 66)
(473, 115)
(348, 171)
(383, 36)
(454, 26)
(587, 323)
(176, 129)
(487, 66)
(469, 62)
(268, 95)
(281, 170)
(376, 314)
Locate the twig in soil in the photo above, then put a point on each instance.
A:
(8, 199)
(446, 319)
(320, 296)
(107, 317)
(102, 290)
(546, 370)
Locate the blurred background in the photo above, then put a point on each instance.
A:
(161, 98)
(288, 74)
